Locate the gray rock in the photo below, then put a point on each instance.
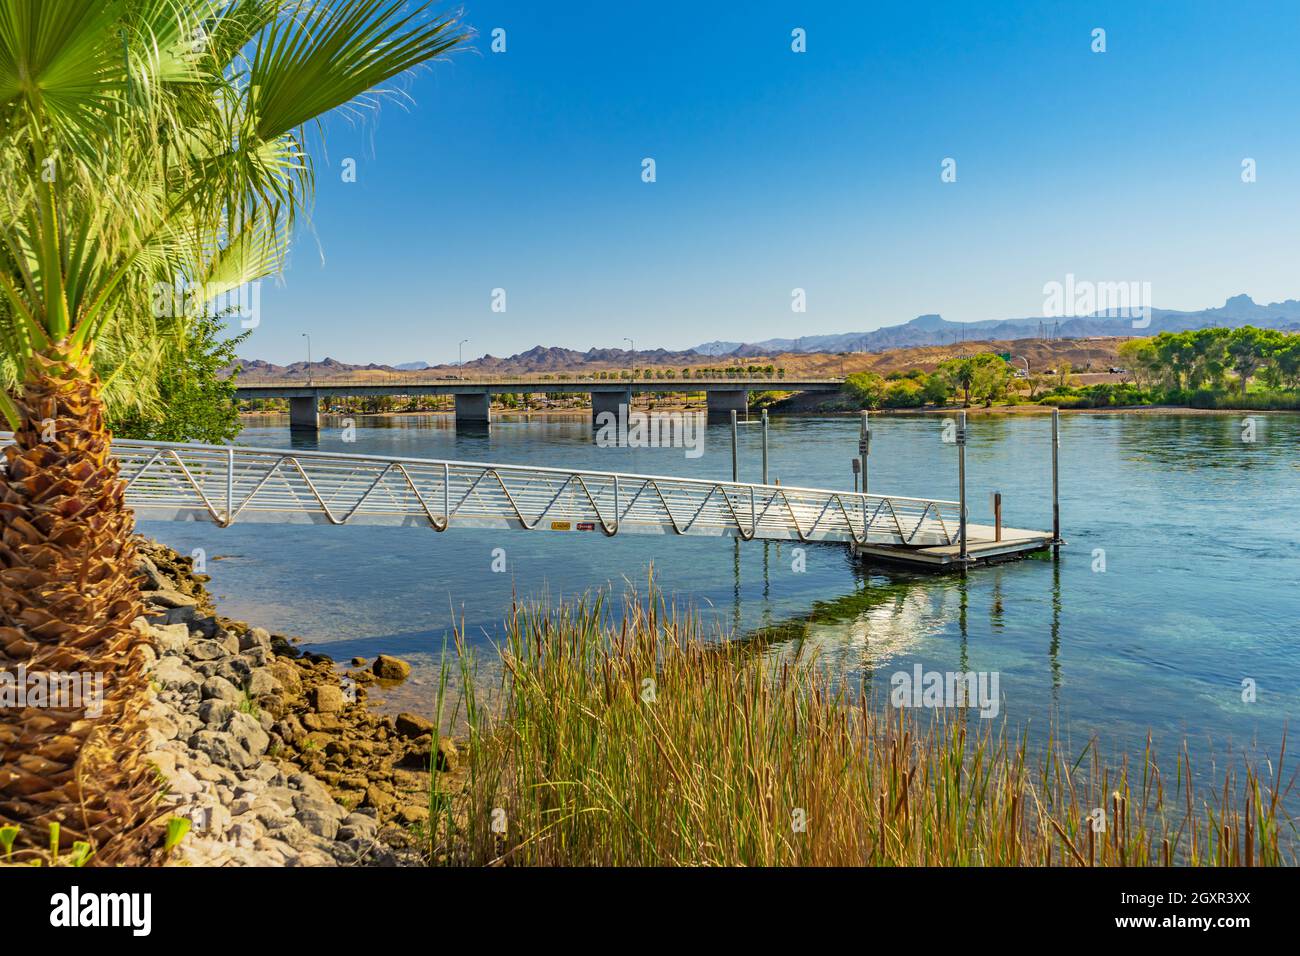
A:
(272, 817)
(222, 748)
(261, 681)
(216, 713)
(234, 669)
(170, 638)
(229, 640)
(250, 735)
(213, 820)
(171, 672)
(168, 599)
(244, 832)
(175, 615)
(281, 796)
(256, 656)
(214, 773)
(326, 805)
(255, 637)
(205, 627)
(154, 580)
(305, 783)
(186, 724)
(357, 826)
(221, 689)
(319, 823)
(206, 668)
(164, 726)
(206, 650)
(184, 782)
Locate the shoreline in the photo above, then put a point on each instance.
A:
(974, 410)
(271, 753)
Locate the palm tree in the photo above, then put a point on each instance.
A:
(144, 144)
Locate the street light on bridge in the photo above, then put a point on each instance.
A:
(460, 359)
(307, 336)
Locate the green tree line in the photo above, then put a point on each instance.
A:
(1215, 360)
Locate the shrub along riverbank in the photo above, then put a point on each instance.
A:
(635, 741)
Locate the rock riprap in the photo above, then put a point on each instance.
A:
(273, 755)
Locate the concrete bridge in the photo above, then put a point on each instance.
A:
(474, 396)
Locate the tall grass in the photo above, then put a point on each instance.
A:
(630, 739)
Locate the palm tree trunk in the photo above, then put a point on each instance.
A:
(68, 598)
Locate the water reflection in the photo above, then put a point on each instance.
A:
(304, 439)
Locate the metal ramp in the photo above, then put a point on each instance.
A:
(225, 484)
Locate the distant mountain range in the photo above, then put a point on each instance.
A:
(536, 360)
(936, 330)
(924, 330)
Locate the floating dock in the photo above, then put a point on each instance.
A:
(982, 547)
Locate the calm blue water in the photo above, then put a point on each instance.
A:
(1198, 531)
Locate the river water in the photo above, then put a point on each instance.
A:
(1180, 579)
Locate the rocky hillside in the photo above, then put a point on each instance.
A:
(926, 330)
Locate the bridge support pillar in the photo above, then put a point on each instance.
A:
(473, 409)
(303, 413)
(722, 402)
(602, 402)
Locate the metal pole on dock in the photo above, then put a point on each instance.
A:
(1056, 502)
(961, 485)
(765, 446)
(864, 448)
(735, 461)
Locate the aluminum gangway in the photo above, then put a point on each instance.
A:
(226, 483)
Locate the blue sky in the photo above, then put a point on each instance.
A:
(779, 170)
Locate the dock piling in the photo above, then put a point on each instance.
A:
(864, 448)
(765, 481)
(963, 554)
(1056, 501)
(735, 460)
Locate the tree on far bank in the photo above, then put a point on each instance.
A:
(865, 389)
(1247, 350)
(983, 376)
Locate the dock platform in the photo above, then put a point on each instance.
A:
(982, 547)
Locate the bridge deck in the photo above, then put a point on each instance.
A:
(420, 385)
(225, 484)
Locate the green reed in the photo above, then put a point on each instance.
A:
(632, 739)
